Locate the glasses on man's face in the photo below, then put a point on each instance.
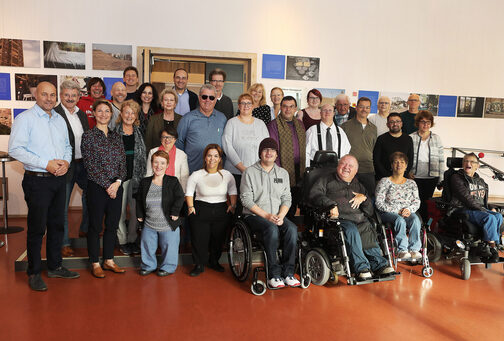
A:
(216, 81)
(395, 122)
(425, 122)
(205, 97)
(246, 104)
(167, 138)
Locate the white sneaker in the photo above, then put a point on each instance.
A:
(415, 255)
(276, 283)
(365, 275)
(292, 281)
(404, 255)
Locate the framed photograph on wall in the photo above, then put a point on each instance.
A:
(494, 107)
(303, 68)
(470, 106)
(111, 57)
(64, 55)
(20, 53)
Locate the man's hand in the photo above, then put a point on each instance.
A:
(63, 167)
(52, 166)
(357, 200)
(334, 213)
(275, 219)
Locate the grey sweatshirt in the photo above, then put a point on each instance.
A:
(269, 191)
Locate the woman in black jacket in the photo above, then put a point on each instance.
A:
(159, 201)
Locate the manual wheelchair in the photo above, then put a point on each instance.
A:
(323, 248)
(455, 236)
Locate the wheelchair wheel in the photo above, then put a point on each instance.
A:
(240, 251)
(317, 267)
(258, 288)
(465, 269)
(427, 271)
(305, 281)
(434, 247)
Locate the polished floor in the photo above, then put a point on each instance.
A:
(214, 306)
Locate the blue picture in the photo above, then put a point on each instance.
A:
(373, 96)
(447, 106)
(109, 81)
(273, 66)
(5, 88)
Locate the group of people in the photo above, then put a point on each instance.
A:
(181, 160)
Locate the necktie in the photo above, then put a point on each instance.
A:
(328, 138)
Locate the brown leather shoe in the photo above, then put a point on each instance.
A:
(97, 272)
(67, 251)
(82, 234)
(113, 268)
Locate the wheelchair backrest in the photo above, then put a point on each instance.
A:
(324, 162)
(453, 163)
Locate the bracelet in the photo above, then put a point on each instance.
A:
(190, 207)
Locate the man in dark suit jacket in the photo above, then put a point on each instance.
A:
(187, 100)
(77, 123)
(344, 111)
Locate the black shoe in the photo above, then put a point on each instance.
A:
(162, 273)
(37, 283)
(494, 258)
(62, 272)
(198, 269)
(217, 267)
(134, 249)
(145, 272)
(125, 249)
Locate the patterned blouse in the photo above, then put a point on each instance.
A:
(263, 113)
(391, 197)
(104, 156)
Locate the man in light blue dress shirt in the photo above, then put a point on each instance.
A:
(39, 140)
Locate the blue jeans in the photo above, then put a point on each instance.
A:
(361, 259)
(168, 242)
(77, 174)
(271, 238)
(489, 220)
(401, 225)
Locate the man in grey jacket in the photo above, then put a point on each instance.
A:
(266, 198)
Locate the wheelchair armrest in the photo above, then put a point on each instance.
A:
(459, 215)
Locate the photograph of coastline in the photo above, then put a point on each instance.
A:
(111, 57)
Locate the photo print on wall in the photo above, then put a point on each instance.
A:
(303, 68)
(20, 53)
(64, 55)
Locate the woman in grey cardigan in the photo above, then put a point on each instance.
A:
(128, 128)
(428, 161)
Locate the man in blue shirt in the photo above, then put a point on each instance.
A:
(200, 127)
(39, 140)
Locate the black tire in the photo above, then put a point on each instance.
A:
(240, 251)
(317, 268)
(434, 247)
(305, 281)
(258, 288)
(427, 271)
(465, 269)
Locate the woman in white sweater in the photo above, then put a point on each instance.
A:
(178, 159)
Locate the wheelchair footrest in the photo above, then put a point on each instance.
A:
(389, 277)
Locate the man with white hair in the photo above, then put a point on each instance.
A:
(77, 123)
(344, 111)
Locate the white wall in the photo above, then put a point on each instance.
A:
(450, 47)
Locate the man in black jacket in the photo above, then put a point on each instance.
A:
(187, 100)
(470, 193)
(77, 123)
(348, 196)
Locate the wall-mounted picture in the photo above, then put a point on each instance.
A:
(470, 106)
(5, 121)
(26, 85)
(429, 102)
(5, 87)
(329, 95)
(20, 53)
(303, 68)
(296, 93)
(494, 107)
(273, 66)
(398, 100)
(111, 57)
(64, 55)
(373, 96)
(81, 80)
(447, 106)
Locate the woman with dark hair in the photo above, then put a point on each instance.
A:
(147, 97)
(311, 115)
(397, 200)
(428, 161)
(159, 201)
(96, 89)
(210, 214)
(178, 166)
(128, 129)
(168, 117)
(105, 163)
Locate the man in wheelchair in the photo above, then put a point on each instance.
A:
(469, 194)
(266, 198)
(348, 195)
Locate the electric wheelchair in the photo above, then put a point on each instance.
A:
(455, 236)
(323, 249)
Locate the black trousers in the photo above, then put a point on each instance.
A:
(100, 205)
(208, 231)
(45, 198)
(426, 189)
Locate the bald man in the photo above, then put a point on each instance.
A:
(408, 117)
(119, 94)
(39, 140)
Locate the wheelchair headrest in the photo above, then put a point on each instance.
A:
(325, 158)
(454, 162)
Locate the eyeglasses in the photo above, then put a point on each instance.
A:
(246, 104)
(395, 122)
(205, 97)
(167, 138)
(216, 81)
(425, 122)
(313, 98)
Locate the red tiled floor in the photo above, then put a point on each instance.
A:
(214, 306)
